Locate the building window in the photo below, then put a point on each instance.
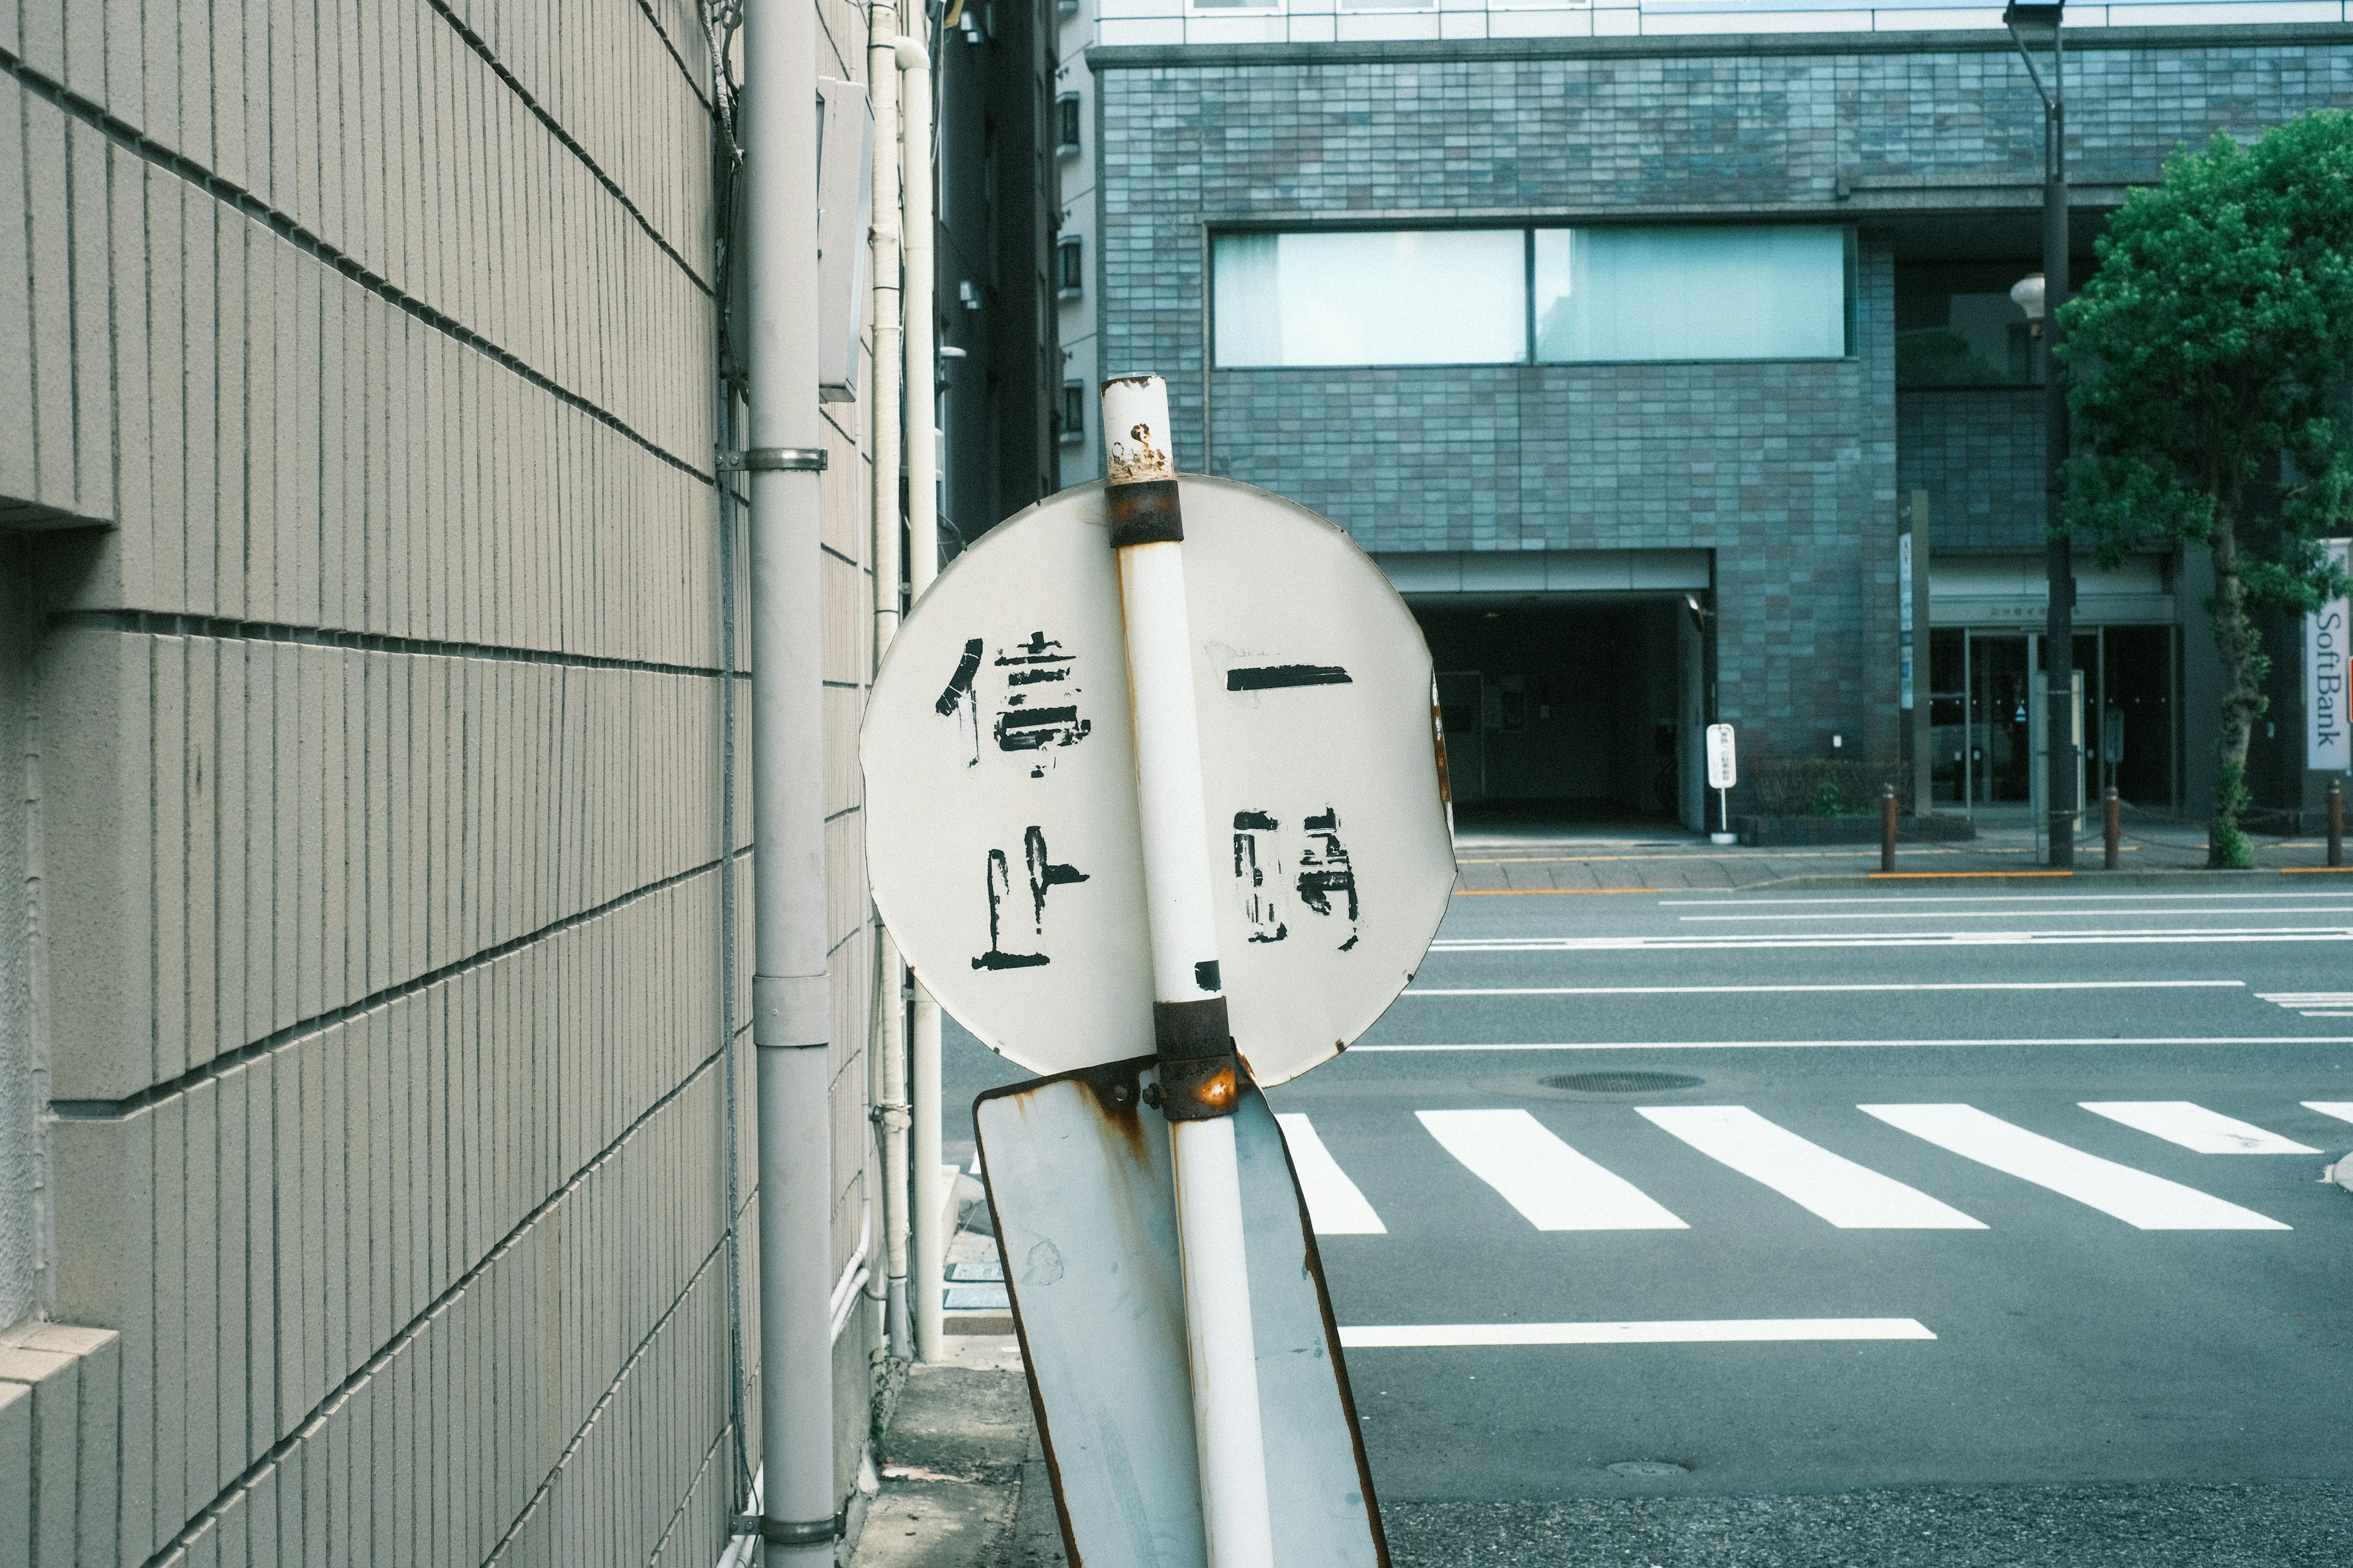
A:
(1069, 267)
(1066, 122)
(1074, 411)
(1463, 296)
(1616, 294)
(1955, 325)
(1397, 297)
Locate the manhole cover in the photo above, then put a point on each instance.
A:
(1623, 1082)
(1648, 1468)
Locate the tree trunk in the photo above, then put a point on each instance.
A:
(2243, 700)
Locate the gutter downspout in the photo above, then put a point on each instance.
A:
(791, 998)
(890, 1007)
(923, 564)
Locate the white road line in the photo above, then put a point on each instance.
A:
(2340, 1108)
(1550, 1183)
(2162, 937)
(1850, 1197)
(1333, 1202)
(1868, 1045)
(2139, 1199)
(1768, 989)
(1990, 898)
(1720, 1330)
(2312, 1003)
(2194, 1126)
(2001, 914)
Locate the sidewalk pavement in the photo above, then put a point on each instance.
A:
(1621, 861)
(964, 1477)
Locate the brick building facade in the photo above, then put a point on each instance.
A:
(1781, 478)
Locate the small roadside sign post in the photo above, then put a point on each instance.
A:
(1153, 803)
(1722, 772)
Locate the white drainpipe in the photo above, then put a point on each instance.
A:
(922, 565)
(890, 1012)
(791, 999)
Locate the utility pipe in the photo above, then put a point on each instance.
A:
(931, 1196)
(890, 1008)
(1199, 1085)
(791, 1000)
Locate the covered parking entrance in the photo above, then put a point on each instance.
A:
(1569, 681)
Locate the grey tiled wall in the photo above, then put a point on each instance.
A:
(1978, 454)
(1788, 471)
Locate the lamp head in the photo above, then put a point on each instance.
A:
(2034, 21)
(2027, 294)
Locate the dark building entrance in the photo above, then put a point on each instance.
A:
(1562, 712)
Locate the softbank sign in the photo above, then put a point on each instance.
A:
(2328, 675)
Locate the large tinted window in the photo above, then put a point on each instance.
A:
(1463, 296)
(1956, 326)
(1777, 292)
(1401, 297)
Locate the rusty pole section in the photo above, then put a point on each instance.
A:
(1887, 828)
(1200, 1077)
(2335, 823)
(2113, 828)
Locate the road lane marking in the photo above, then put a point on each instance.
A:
(2340, 1108)
(1825, 1044)
(2194, 1126)
(2008, 914)
(1552, 1184)
(2312, 1003)
(1850, 1197)
(1719, 1330)
(2036, 899)
(1537, 892)
(2139, 1199)
(2159, 937)
(1333, 1202)
(1766, 990)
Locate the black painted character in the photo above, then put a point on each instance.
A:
(1044, 873)
(1324, 872)
(1326, 876)
(1039, 711)
(1255, 856)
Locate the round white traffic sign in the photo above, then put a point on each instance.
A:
(1002, 840)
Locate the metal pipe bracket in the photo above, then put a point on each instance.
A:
(1201, 1075)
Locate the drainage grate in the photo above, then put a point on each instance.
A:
(1623, 1082)
(1648, 1468)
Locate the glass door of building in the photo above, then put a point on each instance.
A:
(1999, 746)
(1981, 748)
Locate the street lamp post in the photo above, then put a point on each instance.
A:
(2036, 22)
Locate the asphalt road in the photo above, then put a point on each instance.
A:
(1855, 1335)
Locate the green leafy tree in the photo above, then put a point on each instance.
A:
(2208, 357)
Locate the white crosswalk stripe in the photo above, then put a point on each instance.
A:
(1850, 1197)
(2340, 1108)
(1556, 1188)
(2196, 1128)
(2139, 1199)
(2312, 1003)
(1335, 1204)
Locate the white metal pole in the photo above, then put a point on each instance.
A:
(931, 1193)
(1199, 1083)
(791, 1000)
(890, 1010)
